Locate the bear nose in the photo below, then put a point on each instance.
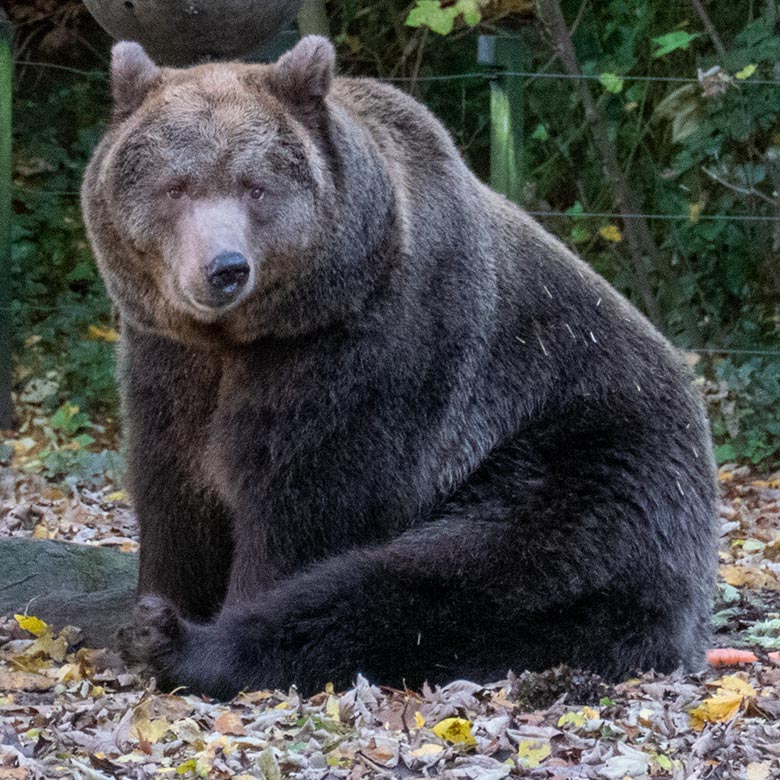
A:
(228, 272)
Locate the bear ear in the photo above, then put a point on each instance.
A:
(302, 77)
(132, 75)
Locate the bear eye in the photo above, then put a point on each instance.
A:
(256, 193)
(176, 192)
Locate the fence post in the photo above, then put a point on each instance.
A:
(6, 97)
(505, 53)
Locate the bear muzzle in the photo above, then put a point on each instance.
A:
(227, 274)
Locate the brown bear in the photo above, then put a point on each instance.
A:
(378, 420)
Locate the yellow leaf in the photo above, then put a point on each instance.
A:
(531, 753)
(99, 333)
(117, 495)
(771, 484)
(332, 708)
(147, 729)
(611, 233)
(48, 646)
(32, 624)
(736, 685)
(732, 695)
(419, 721)
(746, 72)
(694, 211)
(455, 730)
(576, 719)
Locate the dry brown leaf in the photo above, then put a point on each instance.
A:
(749, 577)
(230, 723)
(24, 681)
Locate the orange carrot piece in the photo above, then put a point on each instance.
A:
(731, 656)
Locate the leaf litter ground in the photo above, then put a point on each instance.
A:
(73, 712)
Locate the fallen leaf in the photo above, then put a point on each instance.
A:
(749, 577)
(25, 681)
(426, 750)
(34, 625)
(531, 753)
(455, 730)
(732, 695)
(230, 722)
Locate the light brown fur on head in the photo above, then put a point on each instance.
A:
(204, 161)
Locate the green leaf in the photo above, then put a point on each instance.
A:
(430, 14)
(579, 235)
(471, 13)
(725, 453)
(611, 82)
(575, 210)
(746, 72)
(673, 41)
(540, 133)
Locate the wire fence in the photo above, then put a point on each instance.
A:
(488, 75)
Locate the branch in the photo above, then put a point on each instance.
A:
(710, 28)
(640, 242)
(749, 191)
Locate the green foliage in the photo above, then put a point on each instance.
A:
(70, 451)
(612, 83)
(745, 410)
(765, 634)
(673, 41)
(441, 18)
(57, 293)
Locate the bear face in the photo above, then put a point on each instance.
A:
(210, 199)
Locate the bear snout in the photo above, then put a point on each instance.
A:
(227, 273)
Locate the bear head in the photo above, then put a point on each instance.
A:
(211, 202)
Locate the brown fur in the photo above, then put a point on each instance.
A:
(422, 440)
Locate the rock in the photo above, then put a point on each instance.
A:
(181, 32)
(69, 584)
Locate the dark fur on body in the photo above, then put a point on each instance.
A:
(431, 443)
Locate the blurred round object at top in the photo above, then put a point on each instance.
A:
(182, 32)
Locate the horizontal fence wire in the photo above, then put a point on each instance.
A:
(490, 75)
(695, 350)
(535, 213)
(529, 74)
(486, 75)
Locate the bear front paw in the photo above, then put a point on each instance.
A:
(156, 637)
